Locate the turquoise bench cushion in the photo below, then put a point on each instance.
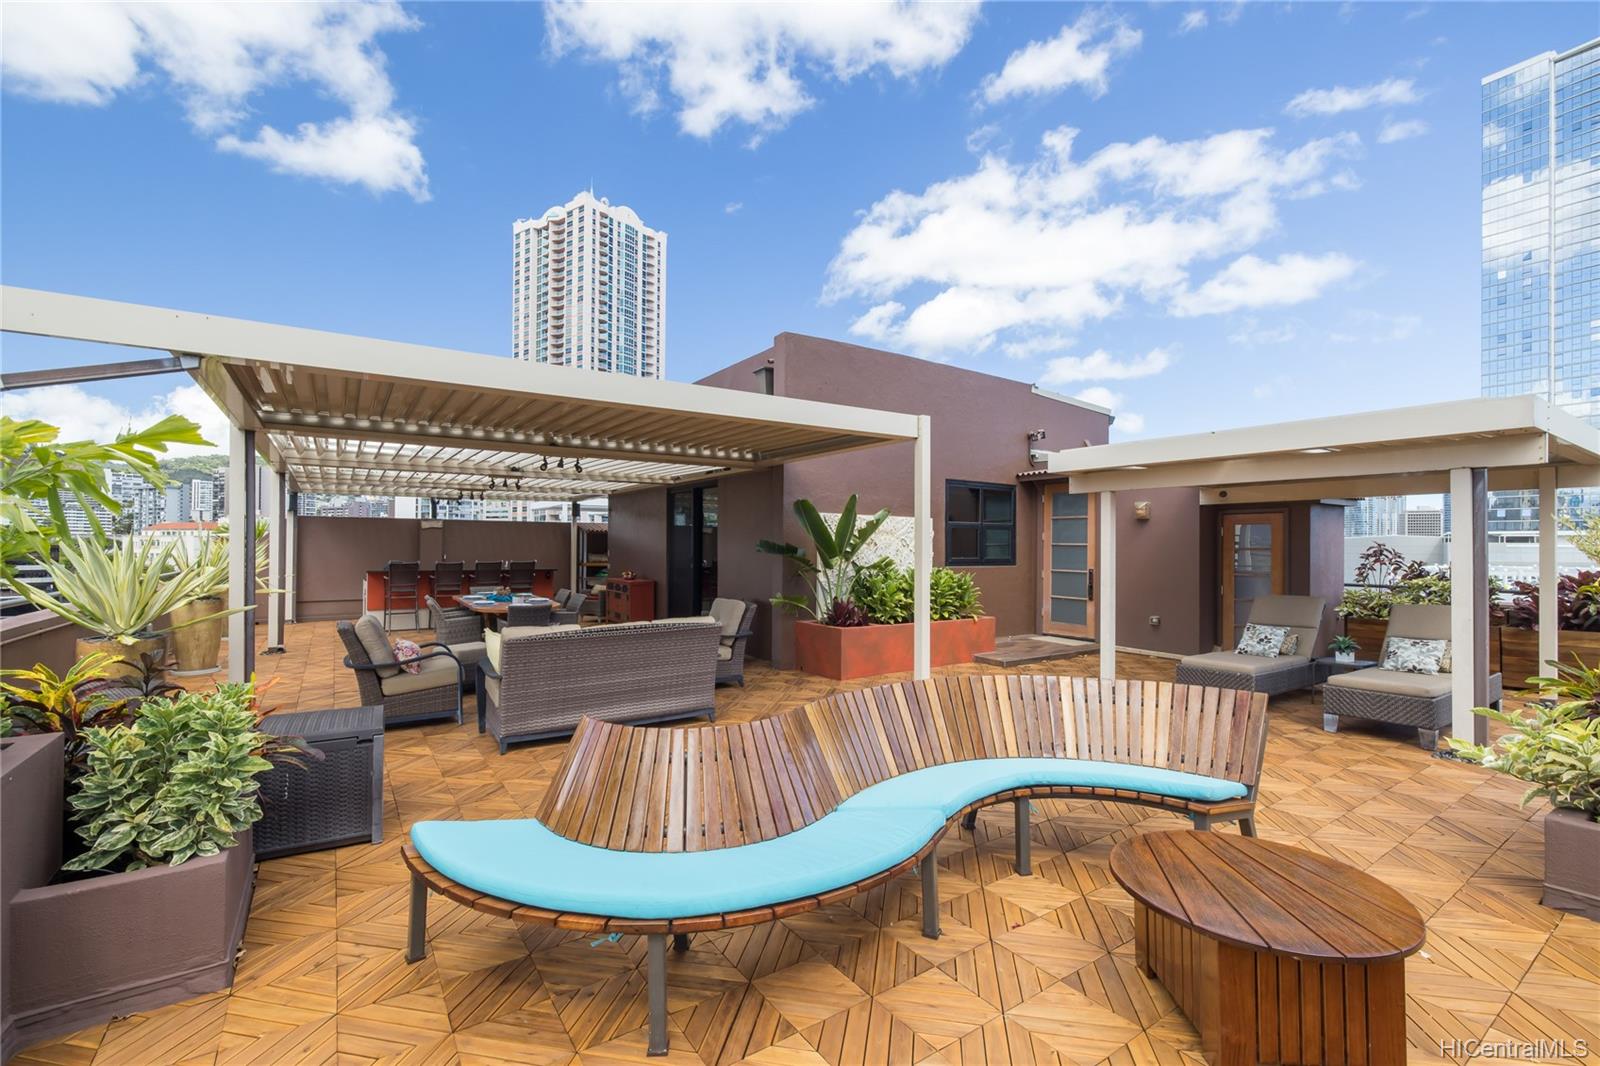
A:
(954, 785)
(522, 861)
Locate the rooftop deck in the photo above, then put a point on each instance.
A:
(1029, 970)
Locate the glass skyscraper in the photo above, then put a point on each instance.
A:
(1541, 245)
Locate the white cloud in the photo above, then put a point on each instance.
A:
(733, 207)
(1026, 347)
(1100, 396)
(82, 415)
(1039, 247)
(1252, 332)
(1194, 20)
(745, 63)
(217, 58)
(1101, 365)
(1081, 54)
(1401, 130)
(1339, 99)
(1250, 282)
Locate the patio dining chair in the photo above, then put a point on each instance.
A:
(526, 614)
(519, 575)
(454, 625)
(402, 580)
(487, 572)
(433, 692)
(567, 614)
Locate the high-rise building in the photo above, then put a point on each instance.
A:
(1541, 246)
(1376, 516)
(589, 289)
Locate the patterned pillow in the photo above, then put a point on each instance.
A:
(1291, 645)
(1413, 656)
(1265, 641)
(406, 649)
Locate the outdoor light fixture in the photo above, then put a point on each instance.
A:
(1141, 510)
(561, 463)
(1036, 435)
(577, 465)
(544, 462)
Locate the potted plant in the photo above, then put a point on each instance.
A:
(1555, 748)
(1344, 648)
(150, 905)
(197, 626)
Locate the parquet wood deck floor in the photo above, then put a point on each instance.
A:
(1034, 970)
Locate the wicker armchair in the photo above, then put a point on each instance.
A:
(568, 613)
(551, 677)
(433, 693)
(455, 625)
(737, 619)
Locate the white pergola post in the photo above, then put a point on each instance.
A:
(1469, 602)
(277, 512)
(1549, 601)
(922, 521)
(241, 553)
(291, 536)
(1106, 584)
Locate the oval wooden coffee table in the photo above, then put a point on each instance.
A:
(1275, 954)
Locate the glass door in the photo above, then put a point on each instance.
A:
(691, 551)
(1252, 565)
(1068, 602)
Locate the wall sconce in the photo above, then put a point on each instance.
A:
(1141, 510)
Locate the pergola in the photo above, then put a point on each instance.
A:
(1464, 448)
(330, 412)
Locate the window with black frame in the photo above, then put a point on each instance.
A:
(980, 524)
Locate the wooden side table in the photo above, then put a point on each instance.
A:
(1275, 954)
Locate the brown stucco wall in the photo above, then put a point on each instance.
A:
(637, 538)
(1158, 567)
(1314, 558)
(750, 507)
(332, 554)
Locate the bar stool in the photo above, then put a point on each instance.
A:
(400, 590)
(519, 575)
(487, 572)
(448, 576)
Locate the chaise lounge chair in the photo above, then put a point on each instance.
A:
(673, 832)
(1401, 697)
(1300, 615)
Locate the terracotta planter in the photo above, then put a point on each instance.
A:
(198, 647)
(84, 952)
(1520, 659)
(846, 653)
(127, 655)
(1572, 863)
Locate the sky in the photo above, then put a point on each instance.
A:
(1199, 215)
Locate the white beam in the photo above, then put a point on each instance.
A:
(922, 522)
(1106, 584)
(241, 553)
(1469, 623)
(572, 548)
(291, 543)
(276, 507)
(1549, 601)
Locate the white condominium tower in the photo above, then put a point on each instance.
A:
(589, 289)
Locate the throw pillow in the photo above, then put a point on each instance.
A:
(407, 649)
(491, 648)
(1291, 645)
(1264, 641)
(1444, 660)
(1413, 656)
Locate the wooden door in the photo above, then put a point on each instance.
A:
(1252, 565)
(1067, 592)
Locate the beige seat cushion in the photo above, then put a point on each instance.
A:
(436, 672)
(470, 653)
(1233, 662)
(1394, 682)
(724, 652)
(491, 689)
(374, 638)
(1300, 615)
(727, 613)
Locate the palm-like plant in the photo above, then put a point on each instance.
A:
(832, 574)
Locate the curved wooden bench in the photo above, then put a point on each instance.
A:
(673, 793)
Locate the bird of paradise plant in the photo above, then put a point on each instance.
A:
(832, 574)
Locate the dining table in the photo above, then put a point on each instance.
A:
(493, 608)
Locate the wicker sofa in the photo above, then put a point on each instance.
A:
(433, 693)
(550, 677)
(1421, 701)
(1301, 615)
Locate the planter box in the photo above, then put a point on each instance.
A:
(31, 786)
(846, 653)
(1520, 660)
(1572, 863)
(87, 951)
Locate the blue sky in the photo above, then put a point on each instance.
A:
(1266, 210)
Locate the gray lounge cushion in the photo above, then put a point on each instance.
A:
(1423, 621)
(374, 638)
(1301, 615)
(436, 672)
(1393, 682)
(1253, 665)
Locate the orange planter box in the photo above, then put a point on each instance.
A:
(846, 653)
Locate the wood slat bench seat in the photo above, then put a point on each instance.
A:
(660, 832)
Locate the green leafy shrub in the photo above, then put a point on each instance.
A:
(952, 594)
(884, 591)
(1555, 749)
(1365, 604)
(176, 783)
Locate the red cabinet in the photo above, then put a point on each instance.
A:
(630, 599)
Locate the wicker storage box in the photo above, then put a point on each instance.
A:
(327, 804)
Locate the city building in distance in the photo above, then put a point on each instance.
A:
(589, 289)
